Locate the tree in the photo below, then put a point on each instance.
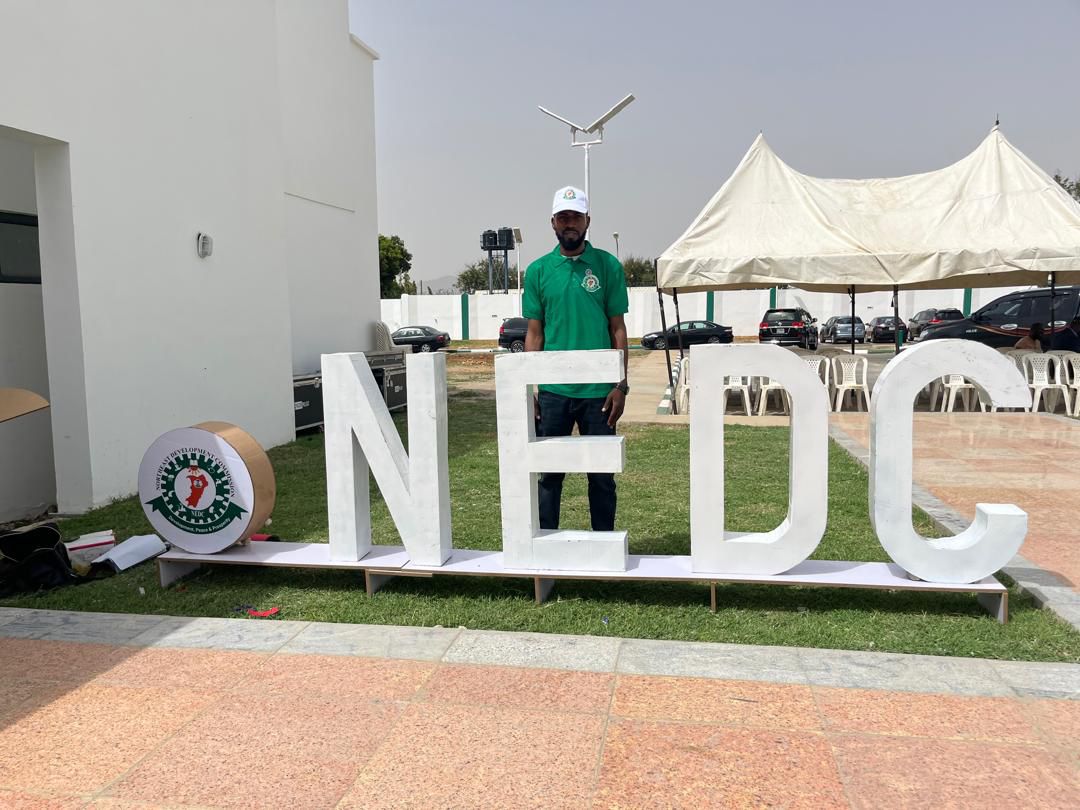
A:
(474, 277)
(395, 262)
(1071, 186)
(639, 272)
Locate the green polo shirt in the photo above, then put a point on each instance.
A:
(573, 296)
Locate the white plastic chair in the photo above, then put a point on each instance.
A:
(682, 387)
(1072, 362)
(768, 387)
(1042, 372)
(1063, 369)
(738, 385)
(850, 374)
(954, 384)
(821, 367)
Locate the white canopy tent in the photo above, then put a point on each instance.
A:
(992, 219)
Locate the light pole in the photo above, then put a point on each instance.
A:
(595, 128)
(616, 235)
(517, 259)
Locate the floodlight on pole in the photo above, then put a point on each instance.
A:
(595, 128)
(616, 235)
(517, 247)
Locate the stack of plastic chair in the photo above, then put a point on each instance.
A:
(1041, 370)
(739, 385)
(768, 387)
(682, 388)
(849, 372)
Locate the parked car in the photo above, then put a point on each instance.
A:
(421, 338)
(882, 328)
(838, 330)
(788, 327)
(512, 334)
(1005, 320)
(692, 332)
(931, 317)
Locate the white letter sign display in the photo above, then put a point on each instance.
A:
(522, 455)
(713, 550)
(206, 487)
(999, 529)
(360, 432)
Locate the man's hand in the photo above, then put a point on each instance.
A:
(536, 407)
(613, 406)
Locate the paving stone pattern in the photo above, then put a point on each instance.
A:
(163, 711)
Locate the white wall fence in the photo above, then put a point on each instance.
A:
(739, 309)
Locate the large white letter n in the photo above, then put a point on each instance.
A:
(361, 432)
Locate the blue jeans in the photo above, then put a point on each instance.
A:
(558, 415)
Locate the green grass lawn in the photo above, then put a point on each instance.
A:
(653, 505)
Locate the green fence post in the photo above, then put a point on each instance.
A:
(772, 297)
(464, 316)
(967, 302)
(709, 305)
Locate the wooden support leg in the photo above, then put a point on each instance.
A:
(374, 580)
(542, 589)
(169, 571)
(712, 597)
(996, 604)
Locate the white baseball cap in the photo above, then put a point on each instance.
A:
(569, 198)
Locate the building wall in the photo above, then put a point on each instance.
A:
(26, 464)
(153, 121)
(331, 223)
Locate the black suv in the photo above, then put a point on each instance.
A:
(788, 327)
(1005, 320)
(512, 334)
(931, 317)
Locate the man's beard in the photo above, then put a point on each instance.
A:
(571, 243)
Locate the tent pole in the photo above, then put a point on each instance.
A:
(667, 350)
(1053, 316)
(896, 317)
(851, 292)
(678, 320)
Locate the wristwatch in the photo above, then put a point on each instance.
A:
(623, 386)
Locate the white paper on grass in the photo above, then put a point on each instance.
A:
(999, 529)
(712, 549)
(133, 551)
(522, 456)
(360, 435)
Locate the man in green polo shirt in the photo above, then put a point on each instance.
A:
(575, 298)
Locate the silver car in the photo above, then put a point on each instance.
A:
(838, 330)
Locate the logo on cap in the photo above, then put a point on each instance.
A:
(568, 194)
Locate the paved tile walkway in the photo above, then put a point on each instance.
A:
(155, 711)
(1026, 459)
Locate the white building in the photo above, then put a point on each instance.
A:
(128, 127)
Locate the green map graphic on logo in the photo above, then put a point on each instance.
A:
(196, 492)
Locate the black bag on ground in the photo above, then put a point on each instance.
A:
(33, 559)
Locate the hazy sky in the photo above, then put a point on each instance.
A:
(841, 89)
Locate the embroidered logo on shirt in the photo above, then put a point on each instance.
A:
(590, 282)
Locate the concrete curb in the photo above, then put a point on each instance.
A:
(851, 669)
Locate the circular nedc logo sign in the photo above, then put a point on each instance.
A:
(196, 490)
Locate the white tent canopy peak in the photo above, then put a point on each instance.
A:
(993, 218)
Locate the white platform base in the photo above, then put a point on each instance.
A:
(385, 562)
